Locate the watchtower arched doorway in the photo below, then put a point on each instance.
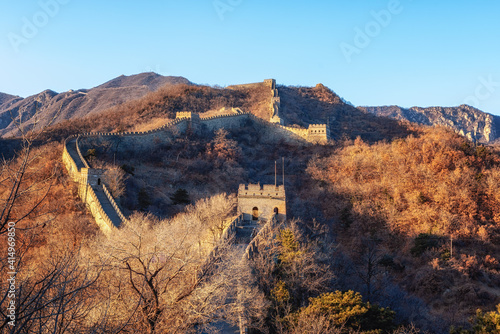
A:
(276, 211)
(255, 213)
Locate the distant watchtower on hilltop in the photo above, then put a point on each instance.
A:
(275, 102)
(318, 133)
(257, 202)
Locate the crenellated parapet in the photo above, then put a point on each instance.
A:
(95, 206)
(91, 189)
(271, 83)
(113, 203)
(258, 190)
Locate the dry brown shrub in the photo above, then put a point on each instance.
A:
(433, 183)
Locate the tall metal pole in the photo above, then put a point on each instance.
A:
(275, 174)
(283, 164)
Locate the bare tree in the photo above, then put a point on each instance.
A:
(214, 213)
(367, 264)
(157, 265)
(59, 300)
(52, 289)
(115, 178)
(20, 196)
(15, 183)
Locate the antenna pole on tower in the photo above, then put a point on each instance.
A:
(283, 164)
(275, 174)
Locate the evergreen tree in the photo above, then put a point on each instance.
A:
(180, 196)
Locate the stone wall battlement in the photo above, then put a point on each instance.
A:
(140, 133)
(95, 207)
(113, 203)
(271, 83)
(223, 116)
(261, 190)
(318, 133)
(246, 86)
(80, 155)
(253, 246)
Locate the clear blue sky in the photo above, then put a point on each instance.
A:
(424, 53)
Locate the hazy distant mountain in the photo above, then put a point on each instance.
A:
(61, 106)
(466, 120)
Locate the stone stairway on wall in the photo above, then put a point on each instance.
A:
(73, 152)
(245, 232)
(241, 233)
(107, 206)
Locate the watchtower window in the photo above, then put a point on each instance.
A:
(98, 181)
(276, 211)
(255, 213)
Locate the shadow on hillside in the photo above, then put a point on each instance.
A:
(304, 105)
(9, 147)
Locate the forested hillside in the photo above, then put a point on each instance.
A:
(423, 209)
(392, 227)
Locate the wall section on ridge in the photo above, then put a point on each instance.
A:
(80, 172)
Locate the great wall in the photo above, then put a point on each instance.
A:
(255, 202)
(96, 196)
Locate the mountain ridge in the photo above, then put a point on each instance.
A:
(300, 106)
(52, 107)
(474, 124)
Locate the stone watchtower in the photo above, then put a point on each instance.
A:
(193, 119)
(318, 133)
(257, 202)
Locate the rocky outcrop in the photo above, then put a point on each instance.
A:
(470, 122)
